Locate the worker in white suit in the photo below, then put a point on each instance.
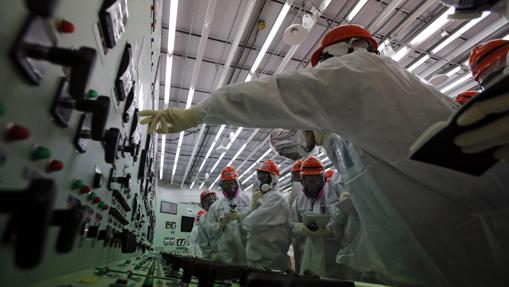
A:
(380, 109)
(194, 246)
(222, 220)
(208, 248)
(266, 223)
(314, 245)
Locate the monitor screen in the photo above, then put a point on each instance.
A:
(186, 224)
(168, 207)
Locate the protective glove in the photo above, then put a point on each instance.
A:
(345, 203)
(172, 120)
(255, 200)
(223, 221)
(303, 231)
(232, 215)
(344, 195)
(494, 134)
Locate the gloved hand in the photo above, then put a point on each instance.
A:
(172, 120)
(303, 231)
(255, 200)
(344, 195)
(223, 221)
(232, 215)
(345, 203)
(490, 135)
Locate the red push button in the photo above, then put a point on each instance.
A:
(65, 26)
(96, 200)
(85, 189)
(55, 165)
(17, 132)
(102, 205)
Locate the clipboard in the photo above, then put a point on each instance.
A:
(320, 219)
(439, 149)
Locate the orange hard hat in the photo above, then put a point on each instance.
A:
(485, 54)
(229, 173)
(465, 97)
(343, 33)
(269, 166)
(311, 166)
(204, 193)
(329, 174)
(297, 166)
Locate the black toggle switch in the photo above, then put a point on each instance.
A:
(110, 140)
(111, 144)
(98, 110)
(69, 221)
(43, 8)
(132, 149)
(81, 62)
(64, 105)
(120, 200)
(31, 213)
(98, 179)
(128, 241)
(124, 181)
(118, 216)
(93, 231)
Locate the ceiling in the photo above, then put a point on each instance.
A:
(396, 22)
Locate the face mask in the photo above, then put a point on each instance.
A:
(313, 185)
(230, 189)
(263, 181)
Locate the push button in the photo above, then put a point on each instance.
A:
(17, 132)
(40, 152)
(55, 165)
(65, 27)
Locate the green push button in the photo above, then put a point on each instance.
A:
(92, 196)
(40, 152)
(92, 94)
(78, 184)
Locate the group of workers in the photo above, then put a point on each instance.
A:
(258, 231)
(414, 223)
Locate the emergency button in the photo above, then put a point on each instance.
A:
(17, 132)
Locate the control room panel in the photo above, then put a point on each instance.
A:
(77, 184)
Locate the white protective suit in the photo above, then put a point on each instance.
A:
(208, 247)
(431, 226)
(357, 252)
(294, 192)
(230, 240)
(320, 259)
(194, 247)
(268, 233)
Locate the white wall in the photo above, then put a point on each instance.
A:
(174, 194)
(188, 205)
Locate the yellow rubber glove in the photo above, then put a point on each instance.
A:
(255, 200)
(494, 134)
(302, 230)
(223, 221)
(172, 120)
(232, 216)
